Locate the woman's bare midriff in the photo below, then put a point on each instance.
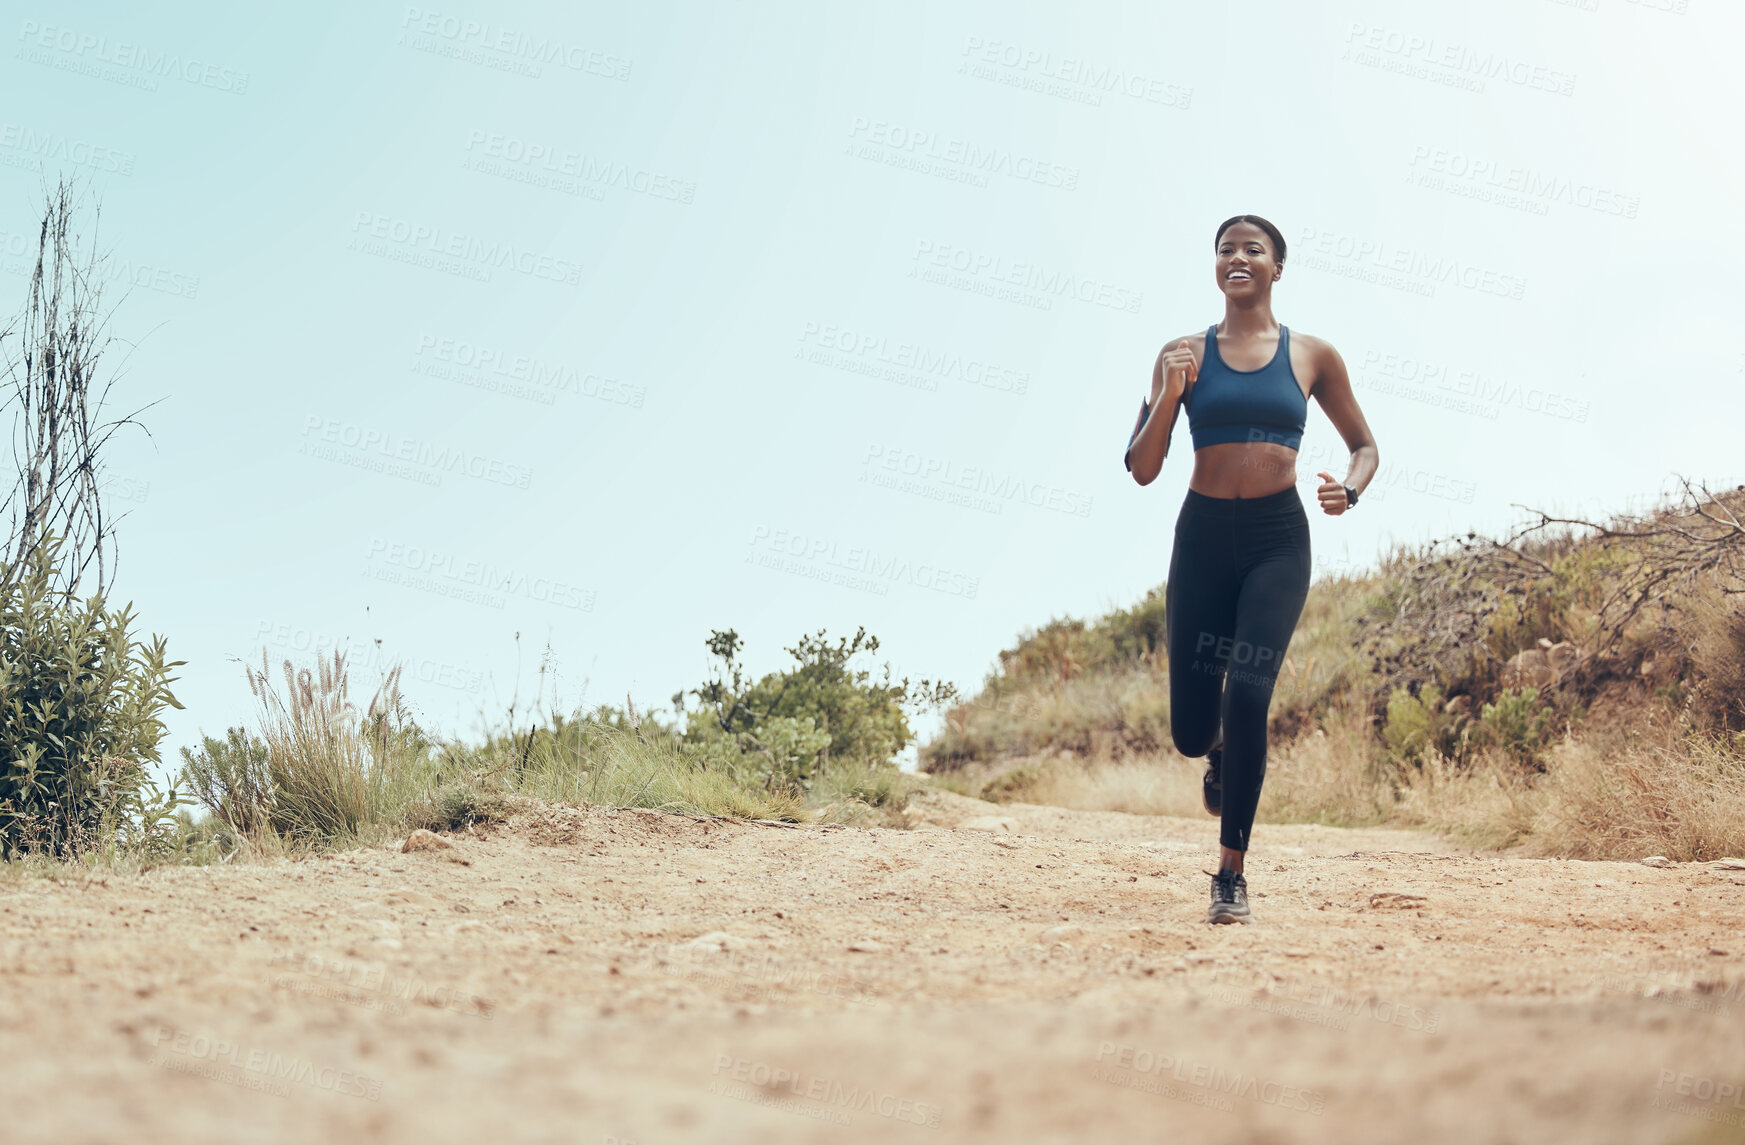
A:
(1243, 469)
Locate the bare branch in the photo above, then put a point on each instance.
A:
(52, 354)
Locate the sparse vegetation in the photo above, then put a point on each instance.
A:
(1501, 691)
(813, 742)
(80, 698)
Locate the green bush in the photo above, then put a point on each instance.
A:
(317, 771)
(231, 778)
(1518, 723)
(1012, 786)
(1057, 652)
(1417, 726)
(860, 794)
(789, 726)
(1138, 632)
(80, 702)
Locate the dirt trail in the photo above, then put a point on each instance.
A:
(598, 976)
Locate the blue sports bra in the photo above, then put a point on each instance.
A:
(1266, 404)
(1240, 405)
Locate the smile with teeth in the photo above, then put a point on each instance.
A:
(1237, 274)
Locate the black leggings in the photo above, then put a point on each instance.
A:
(1238, 576)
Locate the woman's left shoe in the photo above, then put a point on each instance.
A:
(1229, 898)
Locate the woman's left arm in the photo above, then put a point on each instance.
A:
(1332, 388)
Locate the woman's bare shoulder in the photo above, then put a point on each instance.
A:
(1314, 343)
(1195, 341)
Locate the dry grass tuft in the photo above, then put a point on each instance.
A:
(1168, 785)
(1660, 794)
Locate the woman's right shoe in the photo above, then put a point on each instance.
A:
(1212, 786)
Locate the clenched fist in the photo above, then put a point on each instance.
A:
(1178, 370)
(1331, 495)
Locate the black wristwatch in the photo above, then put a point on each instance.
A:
(1350, 496)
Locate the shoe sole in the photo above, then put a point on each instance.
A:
(1225, 916)
(1214, 804)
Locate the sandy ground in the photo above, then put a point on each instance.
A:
(998, 974)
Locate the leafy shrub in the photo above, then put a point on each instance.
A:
(788, 726)
(1518, 723)
(785, 746)
(1013, 786)
(456, 806)
(1541, 609)
(230, 777)
(1057, 652)
(1138, 632)
(80, 702)
(869, 795)
(1418, 726)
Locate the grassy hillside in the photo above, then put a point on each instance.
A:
(1577, 688)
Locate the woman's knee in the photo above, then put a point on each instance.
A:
(1192, 737)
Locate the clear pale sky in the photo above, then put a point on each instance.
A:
(609, 325)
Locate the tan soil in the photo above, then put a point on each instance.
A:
(599, 976)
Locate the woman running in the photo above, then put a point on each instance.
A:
(1239, 571)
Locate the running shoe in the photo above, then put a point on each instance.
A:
(1212, 786)
(1229, 898)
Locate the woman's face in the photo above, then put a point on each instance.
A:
(1245, 265)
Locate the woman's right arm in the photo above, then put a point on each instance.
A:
(1170, 376)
